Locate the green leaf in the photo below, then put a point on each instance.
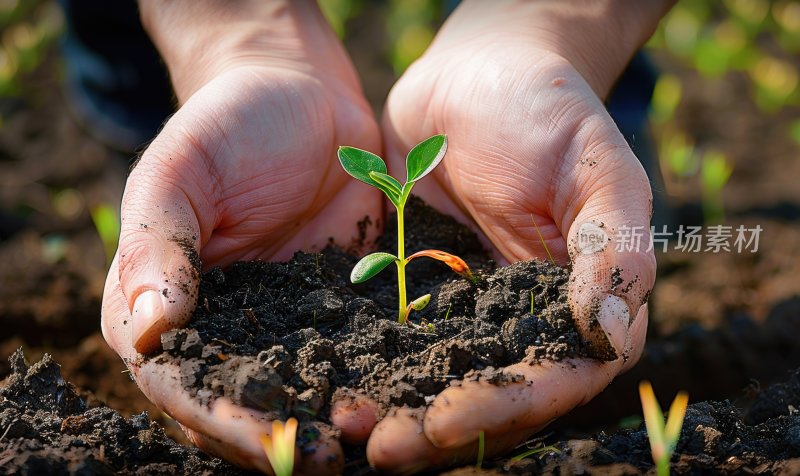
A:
(425, 156)
(420, 303)
(370, 265)
(359, 163)
(390, 186)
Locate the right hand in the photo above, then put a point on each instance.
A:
(246, 169)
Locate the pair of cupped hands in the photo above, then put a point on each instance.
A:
(247, 169)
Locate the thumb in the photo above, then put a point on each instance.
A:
(613, 263)
(159, 262)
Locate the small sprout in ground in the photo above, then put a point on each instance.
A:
(535, 451)
(663, 437)
(107, 222)
(371, 169)
(279, 446)
(532, 302)
(630, 422)
(481, 447)
(449, 309)
(306, 410)
(426, 327)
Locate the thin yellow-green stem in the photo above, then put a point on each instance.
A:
(542, 240)
(662, 466)
(401, 266)
(481, 446)
(535, 451)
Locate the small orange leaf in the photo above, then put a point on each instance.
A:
(454, 262)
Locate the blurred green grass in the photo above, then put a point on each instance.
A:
(756, 41)
(29, 28)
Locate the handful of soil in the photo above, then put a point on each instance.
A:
(289, 337)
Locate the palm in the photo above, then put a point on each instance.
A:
(260, 150)
(523, 145)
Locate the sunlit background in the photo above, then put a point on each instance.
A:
(724, 128)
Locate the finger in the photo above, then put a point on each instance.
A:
(355, 415)
(613, 267)
(544, 392)
(231, 432)
(115, 320)
(634, 345)
(159, 263)
(398, 445)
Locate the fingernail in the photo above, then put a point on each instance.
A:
(614, 317)
(147, 316)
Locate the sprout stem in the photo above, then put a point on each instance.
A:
(401, 266)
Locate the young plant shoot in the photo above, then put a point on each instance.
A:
(371, 169)
(663, 437)
(279, 446)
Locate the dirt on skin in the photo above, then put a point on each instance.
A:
(290, 337)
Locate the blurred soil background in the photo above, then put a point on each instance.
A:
(723, 137)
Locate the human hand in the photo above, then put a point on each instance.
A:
(529, 139)
(246, 169)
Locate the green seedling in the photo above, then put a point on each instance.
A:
(532, 302)
(371, 169)
(663, 437)
(481, 449)
(279, 446)
(715, 171)
(449, 308)
(540, 450)
(107, 223)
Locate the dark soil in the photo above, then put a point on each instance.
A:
(47, 428)
(717, 438)
(286, 336)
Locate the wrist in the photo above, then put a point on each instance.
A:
(598, 37)
(200, 39)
